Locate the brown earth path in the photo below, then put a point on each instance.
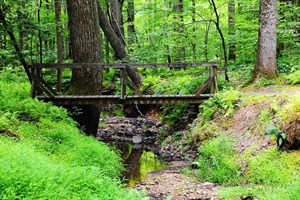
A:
(172, 183)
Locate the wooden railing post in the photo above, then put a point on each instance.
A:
(213, 78)
(33, 83)
(39, 77)
(122, 82)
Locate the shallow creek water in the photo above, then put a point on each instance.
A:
(137, 161)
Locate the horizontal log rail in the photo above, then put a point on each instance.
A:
(43, 91)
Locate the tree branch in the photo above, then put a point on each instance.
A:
(9, 31)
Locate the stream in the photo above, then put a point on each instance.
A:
(138, 162)
(133, 138)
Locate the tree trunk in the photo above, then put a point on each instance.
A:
(116, 18)
(168, 53)
(194, 30)
(86, 48)
(130, 20)
(40, 34)
(266, 53)
(179, 49)
(217, 23)
(118, 46)
(231, 30)
(59, 42)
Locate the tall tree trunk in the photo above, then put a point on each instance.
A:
(118, 46)
(130, 20)
(86, 48)
(179, 49)
(116, 18)
(217, 23)
(266, 53)
(40, 34)
(231, 30)
(194, 30)
(168, 53)
(59, 42)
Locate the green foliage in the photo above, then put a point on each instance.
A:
(289, 113)
(27, 174)
(217, 160)
(47, 157)
(224, 102)
(262, 192)
(294, 78)
(273, 131)
(271, 174)
(175, 115)
(271, 167)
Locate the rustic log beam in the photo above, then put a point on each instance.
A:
(123, 84)
(214, 83)
(202, 87)
(124, 65)
(133, 87)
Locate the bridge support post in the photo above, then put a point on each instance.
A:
(122, 82)
(214, 81)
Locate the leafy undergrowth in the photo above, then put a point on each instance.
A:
(44, 156)
(235, 150)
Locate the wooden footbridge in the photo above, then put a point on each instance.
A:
(45, 92)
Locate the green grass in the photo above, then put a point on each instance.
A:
(44, 156)
(217, 162)
(260, 173)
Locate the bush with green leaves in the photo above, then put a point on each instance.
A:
(294, 77)
(272, 131)
(271, 167)
(224, 102)
(44, 156)
(28, 174)
(217, 161)
(271, 174)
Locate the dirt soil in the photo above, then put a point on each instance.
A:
(172, 183)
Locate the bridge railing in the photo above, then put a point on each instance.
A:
(44, 91)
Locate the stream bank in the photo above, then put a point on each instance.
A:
(142, 131)
(163, 180)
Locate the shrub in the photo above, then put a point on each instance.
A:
(270, 167)
(217, 161)
(224, 102)
(27, 174)
(45, 156)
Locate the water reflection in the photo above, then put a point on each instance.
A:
(138, 162)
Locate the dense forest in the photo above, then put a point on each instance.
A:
(151, 31)
(44, 152)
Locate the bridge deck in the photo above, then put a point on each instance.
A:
(129, 99)
(41, 89)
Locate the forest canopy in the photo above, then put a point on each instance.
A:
(153, 31)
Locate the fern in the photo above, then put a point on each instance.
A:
(224, 102)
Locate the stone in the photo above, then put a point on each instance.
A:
(195, 165)
(137, 139)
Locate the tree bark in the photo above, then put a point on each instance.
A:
(179, 49)
(231, 30)
(266, 53)
(86, 48)
(118, 46)
(59, 42)
(40, 33)
(217, 23)
(116, 18)
(130, 20)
